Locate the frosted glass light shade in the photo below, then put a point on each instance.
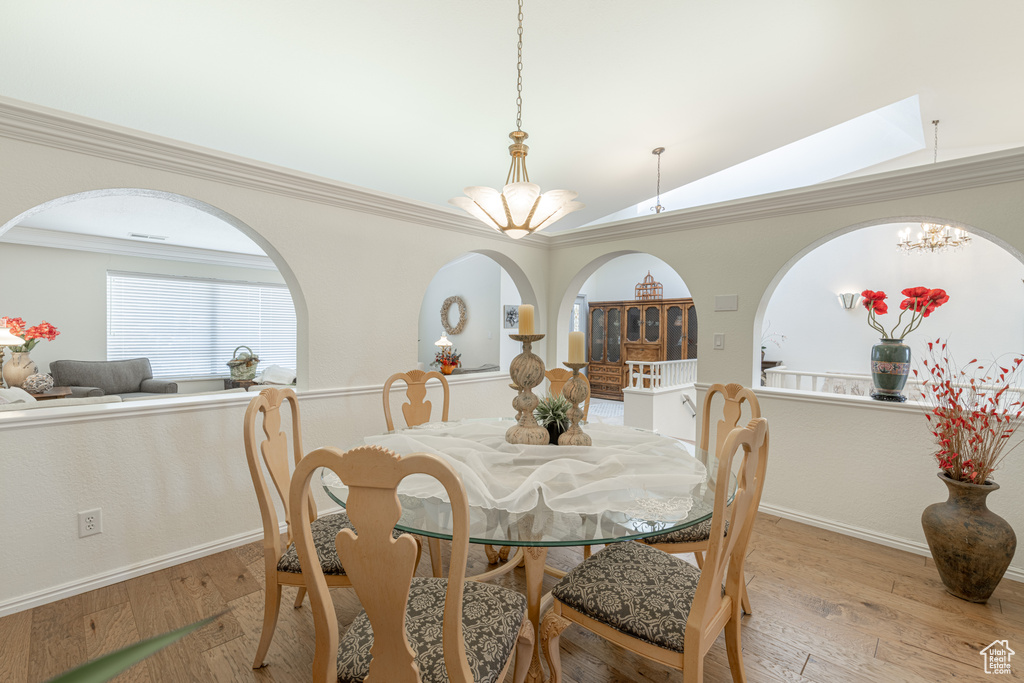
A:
(8, 339)
(519, 209)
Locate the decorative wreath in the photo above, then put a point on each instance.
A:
(462, 315)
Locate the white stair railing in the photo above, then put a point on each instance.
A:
(661, 374)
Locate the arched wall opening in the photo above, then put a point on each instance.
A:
(69, 245)
(613, 277)
(803, 325)
(489, 284)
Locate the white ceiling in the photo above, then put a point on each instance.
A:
(118, 217)
(416, 98)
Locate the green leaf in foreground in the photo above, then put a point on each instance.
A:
(108, 666)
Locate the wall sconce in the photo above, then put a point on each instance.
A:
(848, 300)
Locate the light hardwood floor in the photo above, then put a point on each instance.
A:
(827, 608)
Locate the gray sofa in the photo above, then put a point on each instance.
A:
(124, 378)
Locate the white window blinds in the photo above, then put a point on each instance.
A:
(189, 327)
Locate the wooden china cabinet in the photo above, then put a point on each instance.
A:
(651, 330)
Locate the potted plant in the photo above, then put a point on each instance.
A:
(973, 411)
(552, 412)
(447, 359)
(890, 358)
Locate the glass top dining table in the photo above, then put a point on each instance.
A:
(629, 485)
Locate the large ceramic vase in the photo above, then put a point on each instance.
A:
(971, 545)
(18, 368)
(890, 364)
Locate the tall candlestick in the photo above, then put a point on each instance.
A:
(577, 351)
(526, 319)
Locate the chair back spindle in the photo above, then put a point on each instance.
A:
(735, 396)
(417, 410)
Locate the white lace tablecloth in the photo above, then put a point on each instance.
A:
(626, 470)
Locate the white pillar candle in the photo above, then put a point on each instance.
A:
(526, 319)
(577, 351)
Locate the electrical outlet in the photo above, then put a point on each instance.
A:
(90, 522)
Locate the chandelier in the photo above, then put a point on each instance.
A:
(933, 237)
(519, 209)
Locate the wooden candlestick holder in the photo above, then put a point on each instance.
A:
(527, 371)
(576, 391)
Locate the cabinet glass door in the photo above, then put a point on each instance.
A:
(674, 333)
(614, 335)
(633, 323)
(691, 332)
(652, 324)
(597, 335)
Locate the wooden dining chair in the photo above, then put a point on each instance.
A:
(412, 629)
(281, 561)
(557, 377)
(695, 539)
(658, 605)
(417, 410)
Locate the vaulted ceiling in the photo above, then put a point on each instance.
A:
(416, 98)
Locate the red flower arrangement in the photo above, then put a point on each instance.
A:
(920, 301)
(31, 335)
(447, 356)
(972, 412)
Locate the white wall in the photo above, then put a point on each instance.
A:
(68, 289)
(173, 481)
(509, 296)
(984, 317)
(477, 279)
(617, 279)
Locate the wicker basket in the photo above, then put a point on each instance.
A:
(243, 365)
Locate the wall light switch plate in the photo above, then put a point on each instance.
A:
(719, 341)
(727, 302)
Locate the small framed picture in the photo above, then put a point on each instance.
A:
(511, 317)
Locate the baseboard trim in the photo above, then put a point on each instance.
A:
(67, 590)
(915, 547)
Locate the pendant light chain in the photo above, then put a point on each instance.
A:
(935, 157)
(519, 72)
(658, 208)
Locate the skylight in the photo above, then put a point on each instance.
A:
(875, 137)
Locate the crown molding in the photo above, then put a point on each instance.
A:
(55, 239)
(62, 130)
(959, 174)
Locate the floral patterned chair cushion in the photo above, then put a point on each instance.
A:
(636, 589)
(325, 530)
(691, 534)
(491, 619)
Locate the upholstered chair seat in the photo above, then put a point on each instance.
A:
(691, 534)
(325, 530)
(635, 589)
(491, 619)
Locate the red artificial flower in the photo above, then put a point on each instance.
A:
(875, 301)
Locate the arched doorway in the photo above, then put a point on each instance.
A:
(87, 242)
(483, 285)
(804, 326)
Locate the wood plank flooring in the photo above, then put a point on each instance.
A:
(827, 609)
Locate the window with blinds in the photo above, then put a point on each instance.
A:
(189, 327)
